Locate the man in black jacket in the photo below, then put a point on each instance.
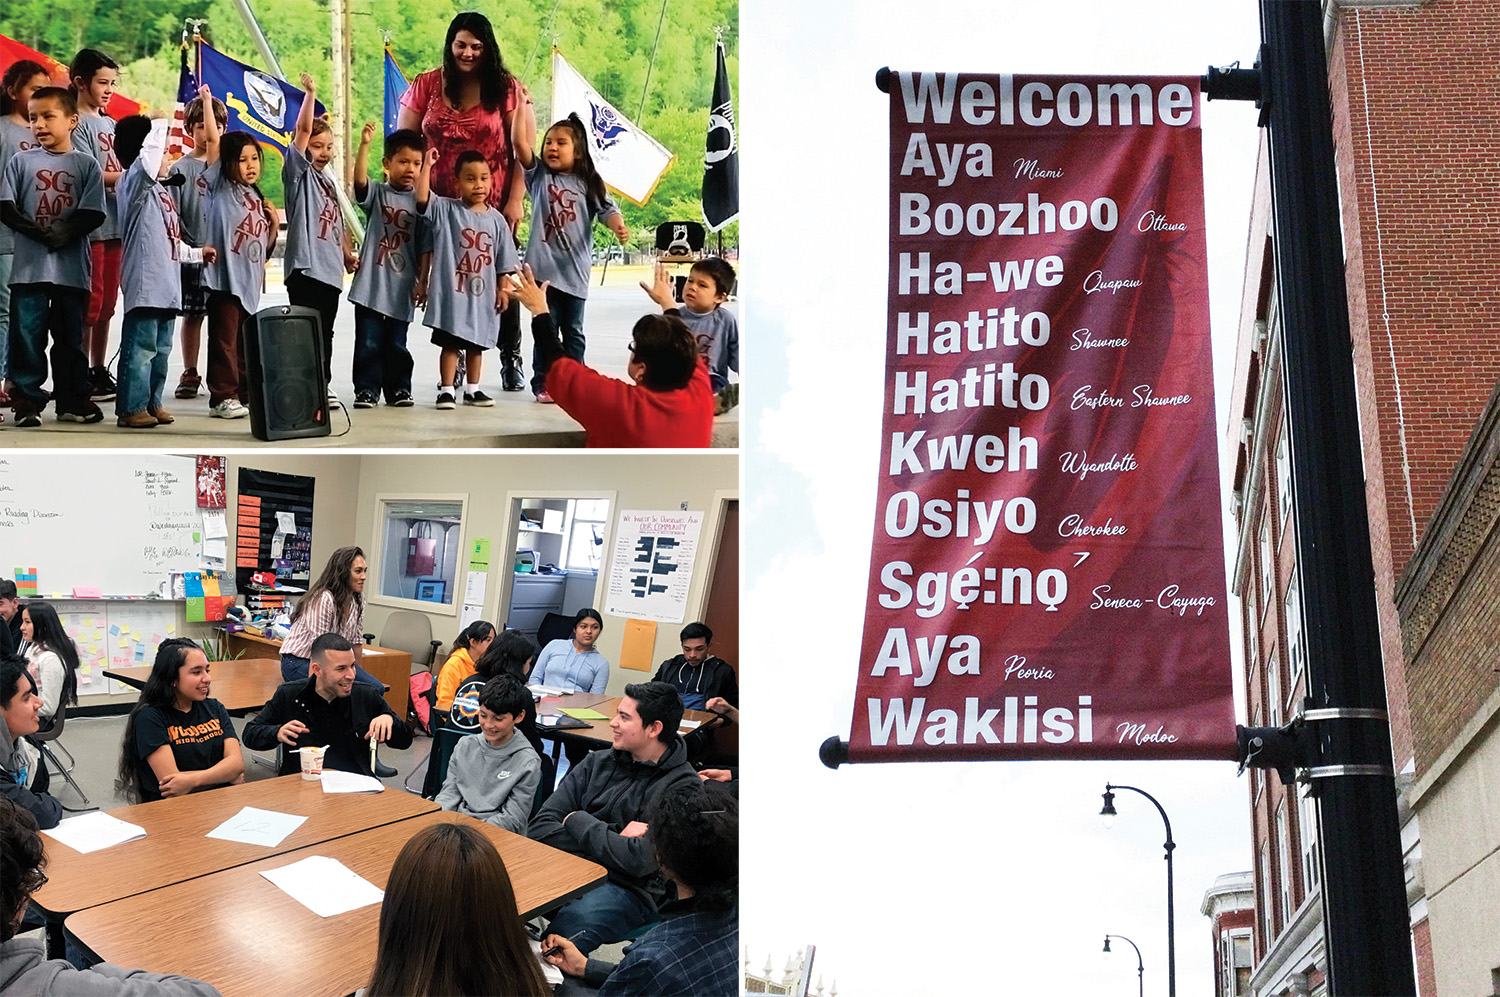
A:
(598, 812)
(697, 675)
(328, 710)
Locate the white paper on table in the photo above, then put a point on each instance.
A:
(215, 524)
(367, 649)
(335, 781)
(474, 587)
(324, 886)
(254, 826)
(553, 974)
(689, 724)
(91, 832)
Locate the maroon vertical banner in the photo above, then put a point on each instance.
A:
(1047, 574)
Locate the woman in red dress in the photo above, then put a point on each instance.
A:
(470, 103)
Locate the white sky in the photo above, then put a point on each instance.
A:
(918, 877)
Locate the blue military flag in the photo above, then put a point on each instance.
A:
(257, 102)
(395, 89)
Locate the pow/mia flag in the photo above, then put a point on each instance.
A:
(721, 161)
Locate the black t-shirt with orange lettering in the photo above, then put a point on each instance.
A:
(196, 738)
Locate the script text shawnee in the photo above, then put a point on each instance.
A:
(981, 102)
(1020, 726)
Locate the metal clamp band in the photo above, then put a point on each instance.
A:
(1331, 771)
(1347, 713)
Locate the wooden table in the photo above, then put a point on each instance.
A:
(389, 665)
(597, 734)
(241, 685)
(238, 931)
(175, 847)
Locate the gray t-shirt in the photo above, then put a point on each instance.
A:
(561, 246)
(237, 227)
(14, 138)
(95, 135)
(149, 272)
(388, 261)
(718, 336)
(191, 198)
(314, 226)
(470, 250)
(45, 187)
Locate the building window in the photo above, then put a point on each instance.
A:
(1283, 475)
(589, 522)
(1307, 832)
(1267, 571)
(1295, 651)
(421, 542)
(1283, 849)
(1252, 626)
(1273, 688)
(1263, 910)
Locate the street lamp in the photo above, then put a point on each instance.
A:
(1140, 967)
(1108, 813)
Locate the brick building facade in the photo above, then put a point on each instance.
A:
(1229, 905)
(1414, 92)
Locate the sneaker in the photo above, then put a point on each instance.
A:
(402, 399)
(365, 399)
(162, 415)
(189, 383)
(333, 396)
(28, 420)
(544, 398)
(445, 400)
(87, 416)
(477, 397)
(103, 386)
(136, 420)
(727, 398)
(229, 408)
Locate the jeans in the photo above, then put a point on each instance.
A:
(381, 359)
(324, 299)
(37, 309)
(6, 260)
(145, 349)
(294, 669)
(604, 914)
(567, 315)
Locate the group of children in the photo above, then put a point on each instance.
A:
(81, 203)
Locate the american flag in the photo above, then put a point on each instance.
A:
(179, 142)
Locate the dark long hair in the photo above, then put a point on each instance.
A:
(478, 630)
(335, 581)
(17, 73)
(47, 632)
(160, 692)
(507, 655)
(85, 64)
(494, 78)
(448, 923)
(583, 162)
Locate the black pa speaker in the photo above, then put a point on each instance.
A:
(283, 353)
(679, 238)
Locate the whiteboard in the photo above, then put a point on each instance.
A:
(120, 523)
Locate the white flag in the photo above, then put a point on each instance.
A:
(628, 159)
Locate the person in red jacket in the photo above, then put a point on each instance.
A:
(669, 405)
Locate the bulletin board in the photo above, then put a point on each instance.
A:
(114, 634)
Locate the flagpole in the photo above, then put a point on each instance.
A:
(655, 45)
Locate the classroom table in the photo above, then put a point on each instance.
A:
(242, 933)
(387, 664)
(597, 734)
(241, 685)
(175, 847)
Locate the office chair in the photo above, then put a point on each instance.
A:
(42, 739)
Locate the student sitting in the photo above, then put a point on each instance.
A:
(330, 710)
(669, 405)
(53, 658)
(697, 675)
(512, 653)
(448, 923)
(23, 777)
(494, 777)
(468, 648)
(177, 739)
(598, 812)
(695, 950)
(573, 663)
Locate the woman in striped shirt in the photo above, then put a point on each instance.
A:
(335, 604)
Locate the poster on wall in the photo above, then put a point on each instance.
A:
(1047, 568)
(652, 565)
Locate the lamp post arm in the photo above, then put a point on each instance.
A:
(1140, 964)
(1166, 821)
(1171, 916)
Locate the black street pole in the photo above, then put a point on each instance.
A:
(1368, 933)
(1109, 809)
(1140, 965)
